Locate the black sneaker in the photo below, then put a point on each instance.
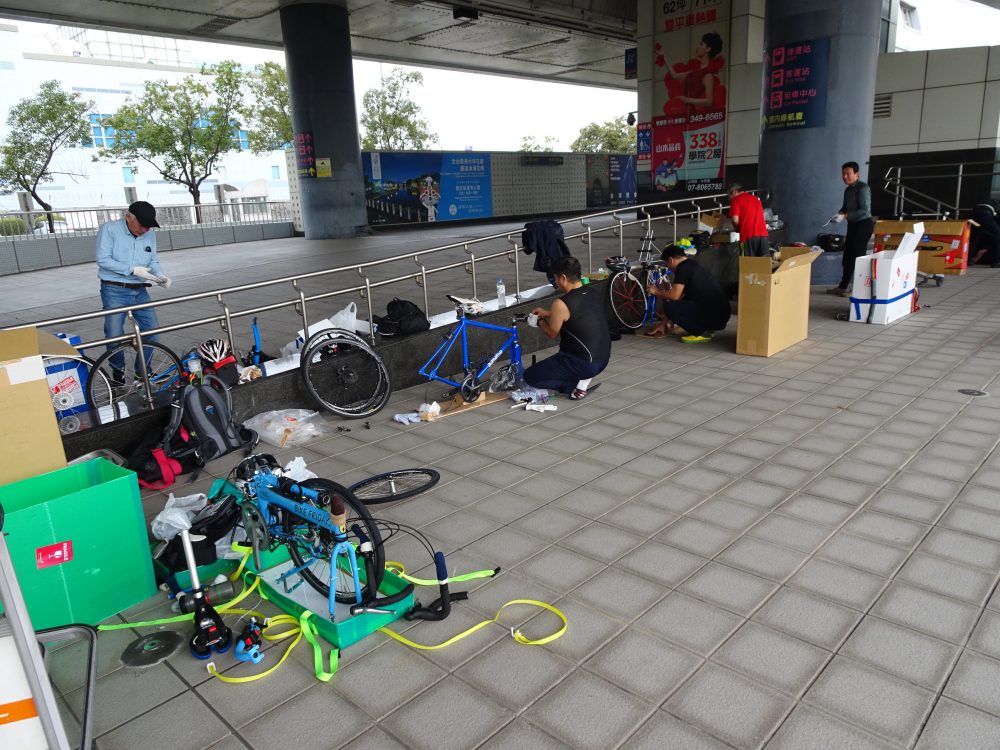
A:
(117, 378)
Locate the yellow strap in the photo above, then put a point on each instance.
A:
(400, 570)
(515, 634)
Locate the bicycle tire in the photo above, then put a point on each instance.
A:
(628, 299)
(344, 375)
(358, 518)
(394, 485)
(163, 368)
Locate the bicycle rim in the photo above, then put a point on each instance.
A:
(116, 392)
(394, 485)
(628, 300)
(309, 543)
(345, 376)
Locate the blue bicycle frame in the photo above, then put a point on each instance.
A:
(460, 333)
(262, 484)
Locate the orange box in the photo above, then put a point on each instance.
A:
(943, 247)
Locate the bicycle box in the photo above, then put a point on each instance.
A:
(67, 382)
(32, 442)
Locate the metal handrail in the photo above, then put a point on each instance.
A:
(904, 194)
(301, 300)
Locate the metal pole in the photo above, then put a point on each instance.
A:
(958, 189)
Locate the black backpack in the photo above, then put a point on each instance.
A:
(402, 317)
(207, 412)
(159, 458)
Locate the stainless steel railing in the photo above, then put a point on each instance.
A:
(952, 177)
(612, 223)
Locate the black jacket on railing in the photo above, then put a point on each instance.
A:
(546, 240)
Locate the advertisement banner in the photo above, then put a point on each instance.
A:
(415, 187)
(597, 181)
(795, 85)
(622, 179)
(689, 105)
(644, 141)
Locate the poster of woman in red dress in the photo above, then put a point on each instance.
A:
(695, 84)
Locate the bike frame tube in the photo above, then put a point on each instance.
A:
(460, 333)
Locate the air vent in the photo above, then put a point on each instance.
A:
(218, 23)
(883, 106)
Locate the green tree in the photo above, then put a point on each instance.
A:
(267, 111)
(613, 137)
(390, 119)
(182, 129)
(529, 143)
(39, 127)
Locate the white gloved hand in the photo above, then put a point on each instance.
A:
(164, 281)
(144, 273)
(532, 320)
(837, 218)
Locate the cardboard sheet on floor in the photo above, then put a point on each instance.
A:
(773, 309)
(459, 405)
(887, 281)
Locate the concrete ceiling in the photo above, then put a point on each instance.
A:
(573, 41)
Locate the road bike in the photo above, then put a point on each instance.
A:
(123, 375)
(507, 377)
(629, 301)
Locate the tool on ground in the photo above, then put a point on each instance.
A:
(248, 647)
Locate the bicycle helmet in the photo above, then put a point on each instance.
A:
(617, 263)
(214, 350)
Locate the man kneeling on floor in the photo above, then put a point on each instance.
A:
(695, 301)
(577, 319)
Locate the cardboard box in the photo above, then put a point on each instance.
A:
(711, 222)
(723, 238)
(773, 308)
(32, 442)
(884, 282)
(943, 247)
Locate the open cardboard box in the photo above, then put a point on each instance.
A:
(773, 308)
(32, 442)
(884, 282)
(711, 222)
(943, 246)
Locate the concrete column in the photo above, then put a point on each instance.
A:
(317, 43)
(801, 167)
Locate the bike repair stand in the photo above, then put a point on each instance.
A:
(210, 632)
(29, 716)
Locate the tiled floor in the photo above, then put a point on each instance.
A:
(795, 552)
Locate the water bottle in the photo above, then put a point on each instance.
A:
(501, 294)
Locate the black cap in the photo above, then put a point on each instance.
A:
(144, 213)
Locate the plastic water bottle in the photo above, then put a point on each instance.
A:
(501, 294)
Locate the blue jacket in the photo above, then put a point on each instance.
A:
(118, 252)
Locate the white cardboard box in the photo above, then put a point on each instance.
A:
(887, 281)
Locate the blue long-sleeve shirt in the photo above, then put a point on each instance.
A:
(118, 252)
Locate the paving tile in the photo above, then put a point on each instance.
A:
(670, 497)
(696, 536)
(936, 615)
(757, 493)
(643, 665)
(762, 559)
(639, 518)
(907, 506)
(410, 675)
(771, 657)
(507, 547)
(502, 474)
(986, 635)
(619, 593)
(730, 463)
(560, 569)
(126, 693)
(801, 459)
(504, 507)
(200, 727)
(701, 479)
(782, 476)
(808, 617)
(954, 725)
(663, 730)
(729, 514)
(374, 739)
(428, 721)
(586, 711)
(848, 586)
(691, 623)
(589, 502)
(461, 528)
(926, 485)
(729, 588)
(729, 706)
(809, 729)
(856, 552)
(602, 542)
(590, 629)
(972, 521)
(791, 531)
(841, 490)
(520, 734)
(900, 651)
(872, 699)
(661, 563)
(817, 509)
(984, 498)
(947, 577)
(974, 682)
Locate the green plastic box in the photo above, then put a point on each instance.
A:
(77, 537)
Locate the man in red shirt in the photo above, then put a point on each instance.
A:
(747, 215)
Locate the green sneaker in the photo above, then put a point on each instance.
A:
(696, 339)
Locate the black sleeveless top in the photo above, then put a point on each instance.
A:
(586, 334)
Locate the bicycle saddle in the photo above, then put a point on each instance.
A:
(469, 306)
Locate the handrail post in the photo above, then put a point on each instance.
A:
(472, 268)
(958, 189)
(674, 209)
(227, 324)
(517, 274)
(367, 294)
(422, 283)
(302, 308)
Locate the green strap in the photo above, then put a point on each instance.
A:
(309, 631)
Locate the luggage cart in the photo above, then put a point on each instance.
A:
(29, 715)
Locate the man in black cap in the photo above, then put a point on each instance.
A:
(127, 266)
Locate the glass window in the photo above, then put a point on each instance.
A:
(275, 172)
(128, 174)
(102, 136)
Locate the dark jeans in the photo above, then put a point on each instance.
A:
(855, 245)
(114, 325)
(756, 247)
(561, 372)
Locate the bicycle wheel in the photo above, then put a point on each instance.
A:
(345, 375)
(310, 542)
(394, 485)
(119, 390)
(628, 299)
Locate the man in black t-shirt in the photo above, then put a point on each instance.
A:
(695, 301)
(577, 319)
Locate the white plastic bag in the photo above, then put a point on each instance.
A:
(346, 318)
(176, 515)
(287, 428)
(297, 471)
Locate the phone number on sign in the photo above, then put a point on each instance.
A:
(710, 117)
(704, 186)
(677, 6)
